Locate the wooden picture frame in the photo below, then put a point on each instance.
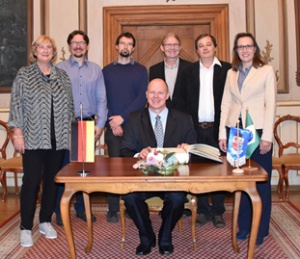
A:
(16, 31)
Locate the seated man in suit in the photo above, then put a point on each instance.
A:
(140, 135)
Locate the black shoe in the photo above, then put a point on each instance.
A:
(166, 249)
(242, 235)
(186, 213)
(202, 219)
(259, 240)
(59, 220)
(218, 221)
(145, 249)
(82, 216)
(112, 216)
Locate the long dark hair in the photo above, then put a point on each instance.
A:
(257, 58)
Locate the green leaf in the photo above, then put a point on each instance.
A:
(169, 155)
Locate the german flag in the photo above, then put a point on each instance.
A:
(82, 141)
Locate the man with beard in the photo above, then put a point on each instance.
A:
(126, 83)
(89, 99)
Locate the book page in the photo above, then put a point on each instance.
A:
(205, 151)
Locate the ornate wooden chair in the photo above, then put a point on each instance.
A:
(5, 139)
(278, 165)
(155, 204)
(290, 159)
(13, 165)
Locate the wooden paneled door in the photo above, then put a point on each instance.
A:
(149, 24)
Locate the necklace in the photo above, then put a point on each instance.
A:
(46, 72)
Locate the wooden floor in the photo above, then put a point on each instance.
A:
(10, 206)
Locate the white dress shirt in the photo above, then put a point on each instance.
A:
(206, 110)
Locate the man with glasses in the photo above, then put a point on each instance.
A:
(89, 95)
(202, 95)
(126, 83)
(170, 70)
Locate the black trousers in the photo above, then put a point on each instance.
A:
(114, 145)
(79, 204)
(217, 206)
(39, 164)
(172, 211)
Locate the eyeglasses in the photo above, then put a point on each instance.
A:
(45, 48)
(242, 47)
(170, 45)
(123, 43)
(80, 43)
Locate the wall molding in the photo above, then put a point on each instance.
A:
(82, 15)
(297, 21)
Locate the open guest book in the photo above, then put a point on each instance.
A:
(201, 150)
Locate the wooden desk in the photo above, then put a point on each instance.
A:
(116, 175)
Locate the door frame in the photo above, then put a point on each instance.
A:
(115, 18)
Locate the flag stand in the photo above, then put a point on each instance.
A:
(83, 172)
(249, 168)
(238, 170)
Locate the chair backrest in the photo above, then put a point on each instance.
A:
(4, 138)
(293, 123)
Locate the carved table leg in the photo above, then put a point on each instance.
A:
(65, 215)
(236, 207)
(256, 214)
(88, 213)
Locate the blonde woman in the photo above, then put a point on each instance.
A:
(41, 110)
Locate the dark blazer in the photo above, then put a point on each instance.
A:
(190, 93)
(139, 134)
(158, 71)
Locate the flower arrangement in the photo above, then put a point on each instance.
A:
(159, 161)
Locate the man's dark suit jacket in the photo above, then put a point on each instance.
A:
(158, 71)
(139, 134)
(189, 94)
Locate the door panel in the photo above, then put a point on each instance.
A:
(149, 24)
(149, 39)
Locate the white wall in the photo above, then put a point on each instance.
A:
(267, 24)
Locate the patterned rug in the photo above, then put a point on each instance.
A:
(283, 241)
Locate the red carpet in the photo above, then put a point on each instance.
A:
(283, 241)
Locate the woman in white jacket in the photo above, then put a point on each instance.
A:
(251, 85)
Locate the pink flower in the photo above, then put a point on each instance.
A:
(154, 159)
(136, 166)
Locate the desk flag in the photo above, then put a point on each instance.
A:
(253, 144)
(237, 146)
(82, 141)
